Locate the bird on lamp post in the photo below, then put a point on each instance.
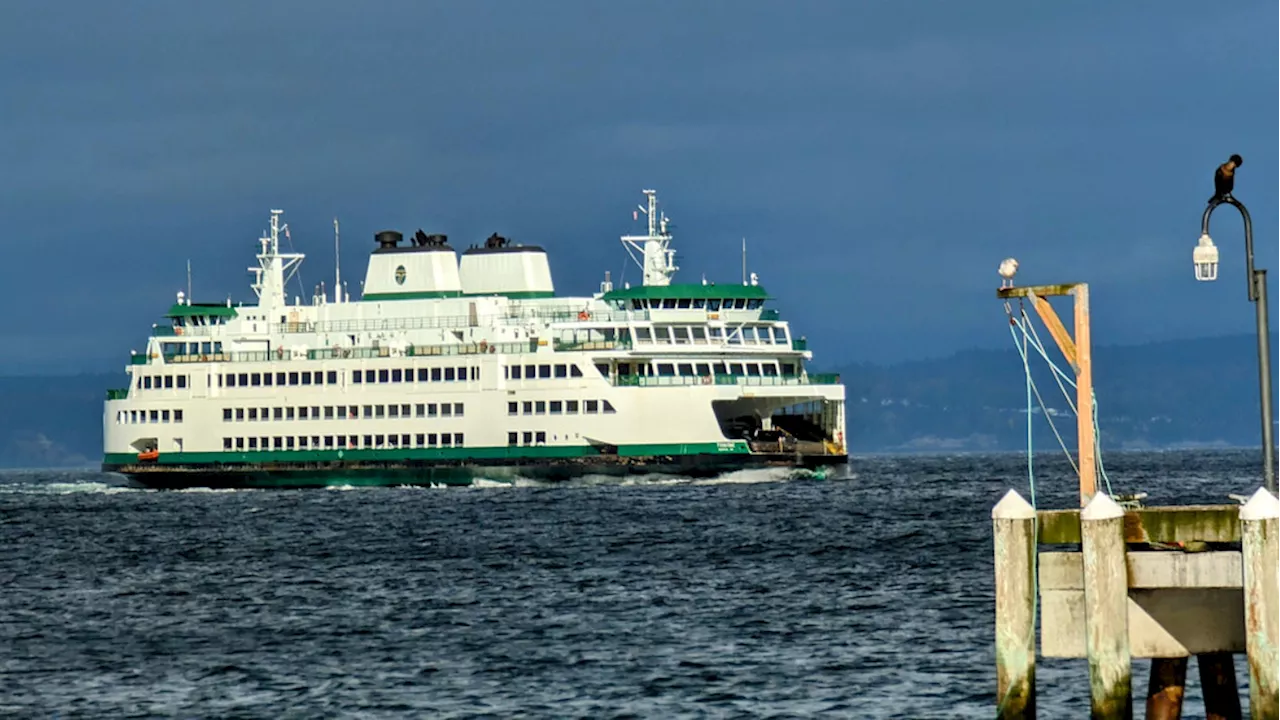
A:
(1224, 179)
(1008, 268)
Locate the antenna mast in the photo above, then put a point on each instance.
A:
(337, 265)
(657, 258)
(744, 261)
(188, 279)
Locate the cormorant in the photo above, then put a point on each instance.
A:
(1225, 178)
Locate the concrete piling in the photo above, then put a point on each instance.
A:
(1106, 595)
(1258, 531)
(1013, 521)
(1166, 688)
(1218, 683)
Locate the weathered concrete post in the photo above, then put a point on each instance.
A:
(1013, 521)
(1106, 602)
(1258, 520)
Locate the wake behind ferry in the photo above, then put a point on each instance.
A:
(446, 370)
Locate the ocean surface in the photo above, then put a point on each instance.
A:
(752, 595)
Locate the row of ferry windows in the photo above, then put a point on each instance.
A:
(668, 369)
(699, 335)
(540, 372)
(712, 304)
(344, 412)
(560, 407)
(358, 377)
(332, 442)
(161, 382)
(140, 417)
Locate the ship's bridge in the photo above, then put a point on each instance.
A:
(675, 300)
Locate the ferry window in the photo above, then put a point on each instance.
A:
(713, 305)
(457, 439)
(342, 412)
(328, 441)
(540, 407)
(368, 411)
(379, 411)
(182, 381)
(527, 407)
(557, 407)
(368, 441)
(603, 369)
(423, 374)
(356, 376)
(255, 379)
(754, 304)
(239, 413)
(253, 443)
(624, 368)
(420, 410)
(263, 413)
(683, 303)
(788, 369)
(431, 410)
(574, 371)
(528, 437)
(666, 370)
(735, 368)
(328, 412)
(277, 414)
(446, 410)
(562, 371)
(370, 376)
(699, 334)
(607, 407)
(717, 333)
(226, 443)
(353, 441)
(448, 374)
(396, 375)
(661, 335)
(266, 379)
(133, 417)
(253, 414)
(306, 378)
(168, 382)
(753, 370)
(394, 411)
(739, 304)
(277, 442)
(669, 304)
(139, 379)
(393, 440)
(243, 380)
(686, 369)
(446, 439)
(154, 416)
(699, 303)
(302, 413)
(515, 372)
(435, 374)
(408, 374)
(571, 407)
(780, 335)
(239, 443)
(513, 408)
(643, 334)
(164, 416)
(420, 439)
(540, 438)
(288, 413)
(279, 378)
(231, 381)
(226, 414)
(475, 373)
(506, 372)
(293, 378)
(592, 407)
(431, 439)
(720, 369)
(177, 416)
(288, 442)
(681, 335)
(513, 438)
(769, 369)
(544, 371)
(530, 372)
(635, 304)
(703, 369)
(382, 376)
(457, 409)
(404, 410)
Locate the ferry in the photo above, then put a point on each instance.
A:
(455, 367)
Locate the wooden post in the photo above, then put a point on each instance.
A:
(1218, 684)
(1166, 689)
(1258, 520)
(1106, 608)
(1013, 523)
(1084, 396)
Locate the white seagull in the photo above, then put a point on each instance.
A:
(1008, 268)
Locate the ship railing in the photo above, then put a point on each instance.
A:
(117, 393)
(755, 380)
(454, 322)
(580, 345)
(298, 354)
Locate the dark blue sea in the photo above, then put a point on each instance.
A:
(754, 595)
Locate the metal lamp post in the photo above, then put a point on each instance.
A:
(1206, 266)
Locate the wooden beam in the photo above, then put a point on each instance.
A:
(1084, 398)
(1041, 290)
(1056, 329)
(1173, 524)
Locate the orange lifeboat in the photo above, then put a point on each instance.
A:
(149, 456)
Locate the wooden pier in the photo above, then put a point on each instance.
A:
(1109, 584)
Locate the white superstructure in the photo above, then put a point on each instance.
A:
(449, 361)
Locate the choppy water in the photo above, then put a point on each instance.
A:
(867, 596)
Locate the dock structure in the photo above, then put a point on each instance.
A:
(1110, 583)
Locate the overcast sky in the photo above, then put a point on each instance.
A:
(881, 158)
